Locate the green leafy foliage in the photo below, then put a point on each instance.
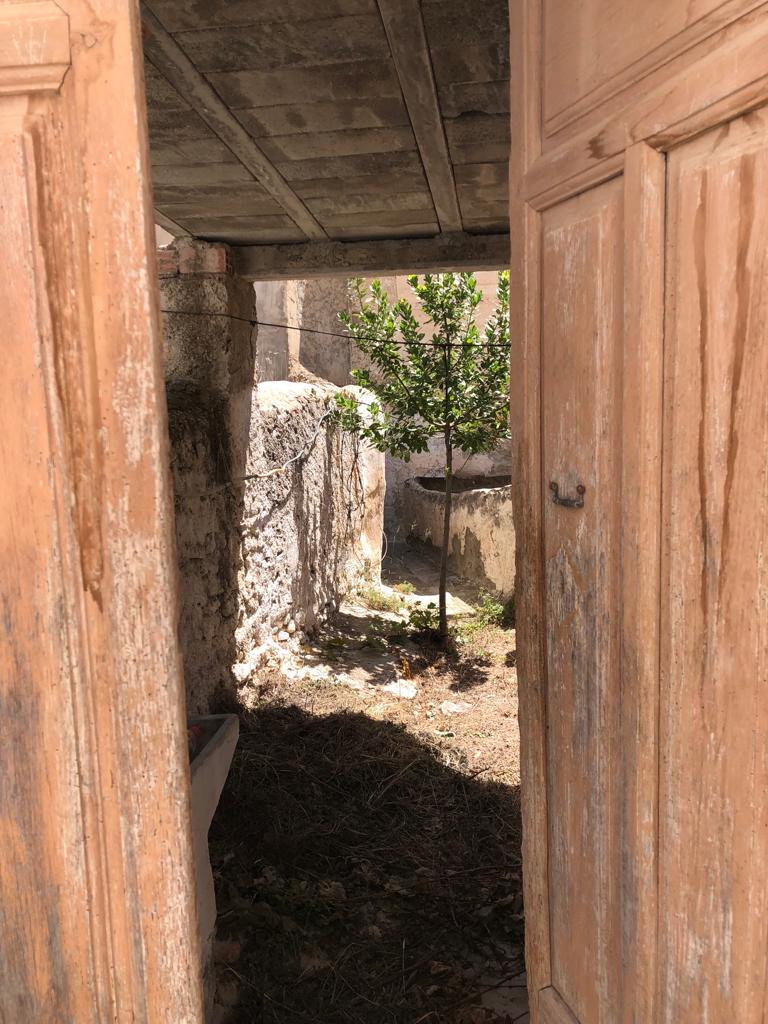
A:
(491, 616)
(379, 600)
(452, 380)
(412, 375)
(489, 611)
(404, 587)
(423, 619)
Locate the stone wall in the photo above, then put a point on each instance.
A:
(303, 537)
(261, 560)
(209, 372)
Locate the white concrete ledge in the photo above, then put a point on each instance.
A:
(208, 773)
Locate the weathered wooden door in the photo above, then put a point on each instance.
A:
(640, 413)
(97, 916)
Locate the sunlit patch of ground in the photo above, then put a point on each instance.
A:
(367, 846)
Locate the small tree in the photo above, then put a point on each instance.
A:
(454, 383)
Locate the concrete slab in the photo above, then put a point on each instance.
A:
(328, 116)
(374, 98)
(343, 168)
(272, 45)
(244, 230)
(208, 773)
(178, 15)
(352, 80)
(350, 142)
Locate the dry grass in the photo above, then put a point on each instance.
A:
(366, 872)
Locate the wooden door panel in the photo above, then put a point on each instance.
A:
(589, 54)
(97, 900)
(582, 313)
(714, 721)
(645, 785)
(552, 1008)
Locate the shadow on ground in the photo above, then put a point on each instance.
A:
(363, 877)
(471, 673)
(364, 648)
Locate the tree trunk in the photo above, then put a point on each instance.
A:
(446, 531)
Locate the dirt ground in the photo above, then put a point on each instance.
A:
(366, 850)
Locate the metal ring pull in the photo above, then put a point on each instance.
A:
(568, 502)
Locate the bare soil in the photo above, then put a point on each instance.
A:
(366, 849)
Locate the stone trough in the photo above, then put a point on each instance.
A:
(482, 535)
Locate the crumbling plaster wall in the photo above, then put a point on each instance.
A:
(482, 532)
(288, 351)
(327, 357)
(432, 463)
(279, 304)
(209, 372)
(308, 533)
(263, 559)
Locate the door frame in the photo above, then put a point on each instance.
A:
(98, 894)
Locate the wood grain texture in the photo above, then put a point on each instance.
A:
(641, 405)
(620, 56)
(410, 53)
(552, 1008)
(581, 338)
(96, 885)
(721, 77)
(653, 728)
(47, 963)
(34, 46)
(525, 424)
(172, 62)
(714, 719)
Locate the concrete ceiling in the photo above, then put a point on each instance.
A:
(311, 126)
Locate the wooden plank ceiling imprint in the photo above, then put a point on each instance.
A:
(316, 123)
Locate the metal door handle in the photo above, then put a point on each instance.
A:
(568, 502)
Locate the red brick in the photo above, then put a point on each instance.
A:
(167, 262)
(203, 257)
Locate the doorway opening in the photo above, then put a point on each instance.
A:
(366, 852)
(366, 848)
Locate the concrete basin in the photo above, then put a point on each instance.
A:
(482, 532)
(215, 738)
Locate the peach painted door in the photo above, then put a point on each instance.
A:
(97, 900)
(713, 781)
(654, 567)
(581, 366)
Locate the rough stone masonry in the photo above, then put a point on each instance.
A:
(266, 545)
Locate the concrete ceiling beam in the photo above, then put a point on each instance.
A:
(441, 253)
(165, 54)
(410, 52)
(169, 225)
